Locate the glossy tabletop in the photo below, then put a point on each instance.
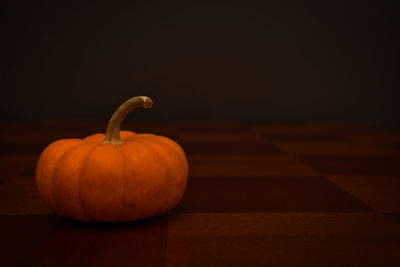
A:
(306, 194)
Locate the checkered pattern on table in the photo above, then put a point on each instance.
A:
(304, 194)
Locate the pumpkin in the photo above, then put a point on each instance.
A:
(119, 176)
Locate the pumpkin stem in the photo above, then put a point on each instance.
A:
(114, 125)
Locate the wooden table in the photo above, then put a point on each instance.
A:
(307, 194)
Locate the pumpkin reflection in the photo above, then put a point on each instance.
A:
(71, 243)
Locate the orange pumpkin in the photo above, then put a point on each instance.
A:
(119, 176)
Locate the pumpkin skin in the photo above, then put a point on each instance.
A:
(92, 180)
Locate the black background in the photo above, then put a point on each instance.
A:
(244, 60)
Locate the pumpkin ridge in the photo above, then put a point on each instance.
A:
(125, 153)
(162, 209)
(161, 159)
(124, 181)
(68, 200)
(79, 183)
(183, 160)
(49, 202)
(56, 206)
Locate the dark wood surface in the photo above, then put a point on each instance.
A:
(307, 194)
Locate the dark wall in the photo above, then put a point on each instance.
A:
(267, 60)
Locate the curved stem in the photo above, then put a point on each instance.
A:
(114, 125)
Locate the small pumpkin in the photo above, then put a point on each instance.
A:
(119, 176)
